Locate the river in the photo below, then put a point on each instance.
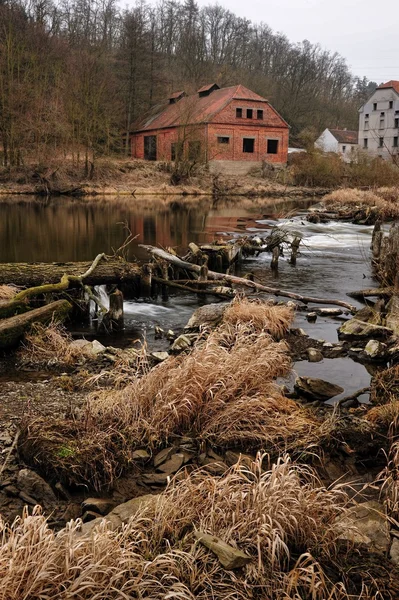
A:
(334, 257)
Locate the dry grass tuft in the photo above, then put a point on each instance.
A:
(385, 386)
(283, 519)
(7, 292)
(262, 316)
(384, 199)
(222, 391)
(385, 415)
(45, 344)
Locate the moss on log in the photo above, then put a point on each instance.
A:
(37, 274)
(12, 329)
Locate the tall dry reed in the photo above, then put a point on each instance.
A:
(282, 518)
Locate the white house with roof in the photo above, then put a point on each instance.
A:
(379, 122)
(341, 141)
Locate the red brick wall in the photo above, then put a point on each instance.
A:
(226, 124)
(165, 139)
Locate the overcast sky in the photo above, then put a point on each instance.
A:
(365, 32)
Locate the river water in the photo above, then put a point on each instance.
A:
(334, 257)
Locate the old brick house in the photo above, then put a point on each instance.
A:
(230, 128)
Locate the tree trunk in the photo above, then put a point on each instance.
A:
(34, 274)
(12, 329)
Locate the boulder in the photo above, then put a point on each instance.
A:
(375, 349)
(209, 315)
(33, 486)
(329, 312)
(159, 356)
(355, 329)
(141, 455)
(366, 523)
(163, 456)
(155, 478)
(311, 317)
(316, 389)
(172, 465)
(121, 514)
(89, 349)
(314, 355)
(181, 343)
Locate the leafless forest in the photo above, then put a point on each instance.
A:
(75, 74)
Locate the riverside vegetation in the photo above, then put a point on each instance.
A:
(198, 474)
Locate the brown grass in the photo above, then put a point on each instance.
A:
(385, 386)
(283, 519)
(222, 392)
(49, 343)
(384, 199)
(7, 292)
(261, 316)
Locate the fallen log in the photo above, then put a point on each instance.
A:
(371, 292)
(12, 329)
(36, 274)
(181, 264)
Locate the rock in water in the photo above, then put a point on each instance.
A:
(355, 329)
(182, 343)
(208, 315)
(31, 484)
(317, 389)
(314, 355)
(375, 349)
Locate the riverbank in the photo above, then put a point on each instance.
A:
(188, 432)
(128, 177)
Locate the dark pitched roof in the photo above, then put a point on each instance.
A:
(344, 136)
(390, 84)
(194, 109)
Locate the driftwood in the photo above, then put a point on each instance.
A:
(178, 262)
(37, 274)
(229, 557)
(12, 329)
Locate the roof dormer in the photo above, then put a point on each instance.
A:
(176, 96)
(205, 90)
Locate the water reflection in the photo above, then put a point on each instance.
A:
(64, 229)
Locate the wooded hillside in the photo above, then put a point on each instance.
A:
(76, 73)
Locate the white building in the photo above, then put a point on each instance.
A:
(379, 121)
(341, 141)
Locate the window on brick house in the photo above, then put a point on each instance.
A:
(391, 104)
(366, 116)
(259, 114)
(272, 146)
(223, 140)
(381, 142)
(365, 143)
(395, 141)
(239, 113)
(382, 123)
(375, 106)
(366, 124)
(396, 124)
(248, 145)
(250, 113)
(343, 149)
